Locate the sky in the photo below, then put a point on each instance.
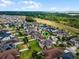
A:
(39, 5)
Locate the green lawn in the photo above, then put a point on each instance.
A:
(35, 46)
(27, 54)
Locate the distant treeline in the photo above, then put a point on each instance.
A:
(30, 13)
(71, 20)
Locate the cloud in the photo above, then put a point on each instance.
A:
(20, 5)
(2, 5)
(67, 9)
(53, 8)
(28, 5)
(5, 3)
(59, 9)
(32, 4)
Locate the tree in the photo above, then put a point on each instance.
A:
(20, 34)
(77, 55)
(29, 19)
(62, 45)
(25, 40)
(35, 55)
(17, 28)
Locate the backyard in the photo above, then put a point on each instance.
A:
(28, 54)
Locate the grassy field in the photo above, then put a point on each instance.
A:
(66, 28)
(27, 54)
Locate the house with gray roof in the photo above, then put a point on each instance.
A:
(7, 40)
(75, 41)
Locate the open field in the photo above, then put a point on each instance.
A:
(58, 25)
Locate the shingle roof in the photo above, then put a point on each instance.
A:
(9, 54)
(53, 53)
(68, 55)
(3, 34)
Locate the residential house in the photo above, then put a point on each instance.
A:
(53, 53)
(6, 40)
(74, 41)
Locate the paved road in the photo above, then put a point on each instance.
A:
(23, 50)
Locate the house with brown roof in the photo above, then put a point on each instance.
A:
(10, 54)
(52, 53)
